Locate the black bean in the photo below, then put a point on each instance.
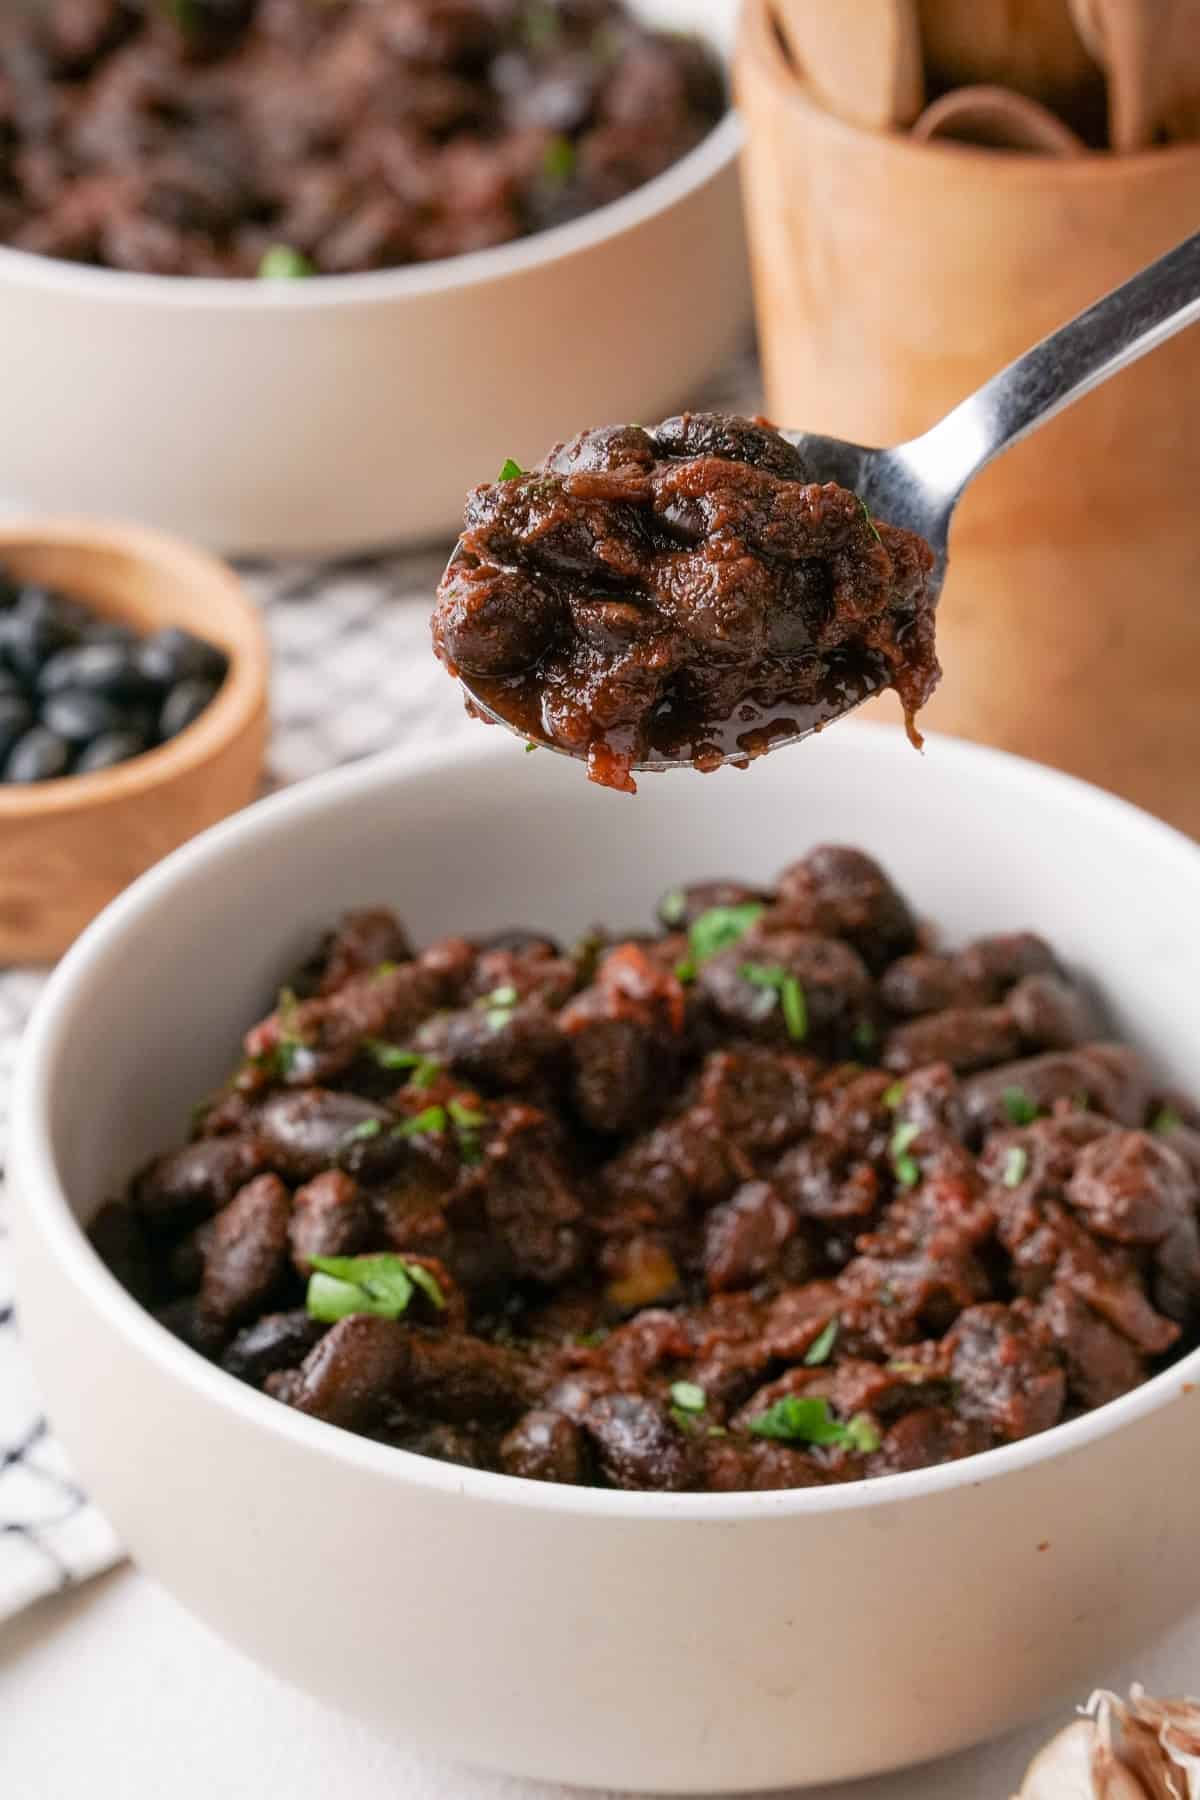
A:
(173, 655)
(38, 756)
(108, 631)
(10, 590)
(10, 683)
(16, 716)
(101, 668)
(64, 617)
(105, 752)
(27, 643)
(183, 706)
(79, 716)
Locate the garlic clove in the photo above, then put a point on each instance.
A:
(1076, 1766)
(1140, 1749)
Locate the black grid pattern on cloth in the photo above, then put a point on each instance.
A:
(352, 674)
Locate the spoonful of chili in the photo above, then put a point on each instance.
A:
(711, 589)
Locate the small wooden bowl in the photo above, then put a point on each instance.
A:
(67, 847)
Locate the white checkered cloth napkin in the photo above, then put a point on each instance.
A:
(353, 673)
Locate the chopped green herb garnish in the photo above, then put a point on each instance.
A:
(685, 970)
(871, 525)
(559, 160)
(818, 1351)
(907, 1172)
(428, 1283)
(865, 1036)
(717, 1431)
(511, 471)
(430, 1123)
(425, 1069)
(722, 926)
(501, 996)
(382, 970)
(861, 1434)
(282, 263)
(798, 1420)
(892, 1096)
(358, 1134)
(795, 1010)
(467, 1118)
(1018, 1107)
(688, 1397)
(1016, 1165)
(1165, 1120)
(672, 908)
(908, 1368)
(591, 1340)
(529, 749)
(381, 1285)
(498, 1006)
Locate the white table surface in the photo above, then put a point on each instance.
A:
(113, 1692)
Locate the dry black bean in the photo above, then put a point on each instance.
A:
(40, 755)
(80, 716)
(173, 655)
(183, 706)
(102, 668)
(16, 716)
(107, 751)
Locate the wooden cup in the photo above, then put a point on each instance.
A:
(68, 847)
(892, 279)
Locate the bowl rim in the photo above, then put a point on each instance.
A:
(41, 1194)
(232, 710)
(715, 154)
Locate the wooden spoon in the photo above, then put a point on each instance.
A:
(1000, 119)
(1151, 49)
(1033, 46)
(863, 61)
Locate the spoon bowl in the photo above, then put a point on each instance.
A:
(918, 484)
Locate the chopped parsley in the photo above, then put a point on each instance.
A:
(1016, 1166)
(591, 1340)
(529, 749)
(722, 926)
(382, 970)
(510, 471)
(467, 1121)
(871, 525)
(425, 1069)
(559, 160)
(672, 908)
(688, 1396)
(498, 1006)
(358, 1134)
(797, 1420)
(892, 1096)
(430, 1123)
(865, 1036)
(819, 1350)
(1019, 1109)
(771, 977)
(381, 1285)
(907, 1172)
(1165, 1120)
(282, 263)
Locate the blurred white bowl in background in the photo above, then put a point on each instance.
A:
(349, 412)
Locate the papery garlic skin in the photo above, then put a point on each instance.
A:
(1140, 1749)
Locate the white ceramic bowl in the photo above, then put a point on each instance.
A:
(349, 412)
(650, 1642)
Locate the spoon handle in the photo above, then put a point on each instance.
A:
(1134, 318)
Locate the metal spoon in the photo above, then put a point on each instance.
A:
(918, 484)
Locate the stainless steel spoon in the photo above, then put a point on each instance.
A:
(918, 484)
